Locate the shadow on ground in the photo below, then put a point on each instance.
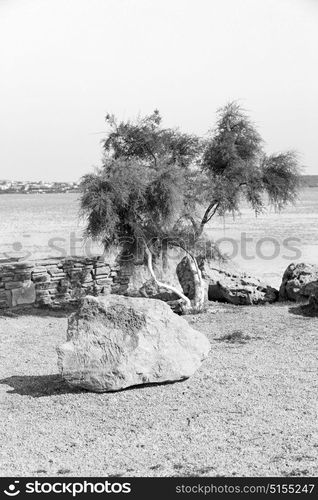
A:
(305, 310)
(38, 386)
(34, 311)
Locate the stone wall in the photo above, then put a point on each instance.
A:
(56, 283)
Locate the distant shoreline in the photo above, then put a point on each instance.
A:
(305, 185)
(40, 192)
(310, 181)
(307, 181)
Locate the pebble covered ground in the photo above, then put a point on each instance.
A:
(250, 410)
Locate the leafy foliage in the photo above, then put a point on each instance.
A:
(281, 179)
(157, 183)
(236, 166)
(146, 141)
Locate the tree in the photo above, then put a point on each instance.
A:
(161, 187)
(236, 167)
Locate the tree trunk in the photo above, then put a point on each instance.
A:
(187, 303)
(198, 297)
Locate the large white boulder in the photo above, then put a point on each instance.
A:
(114, 342)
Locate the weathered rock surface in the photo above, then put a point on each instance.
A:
(24, 295)
(150, 289)
(114, 342)
(299, 282)
(227, 286)
(240, 289)
(186, 279)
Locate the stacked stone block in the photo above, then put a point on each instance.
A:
(16, 286)
(57, 282)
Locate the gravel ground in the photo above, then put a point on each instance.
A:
(251, 410)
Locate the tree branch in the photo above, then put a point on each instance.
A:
(191, 219)
(151, 153)
(207, 216)
(213, 212)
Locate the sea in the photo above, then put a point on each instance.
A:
(50, 225)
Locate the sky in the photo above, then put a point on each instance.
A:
(64, 64)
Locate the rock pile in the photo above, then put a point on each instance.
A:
(226, 286)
